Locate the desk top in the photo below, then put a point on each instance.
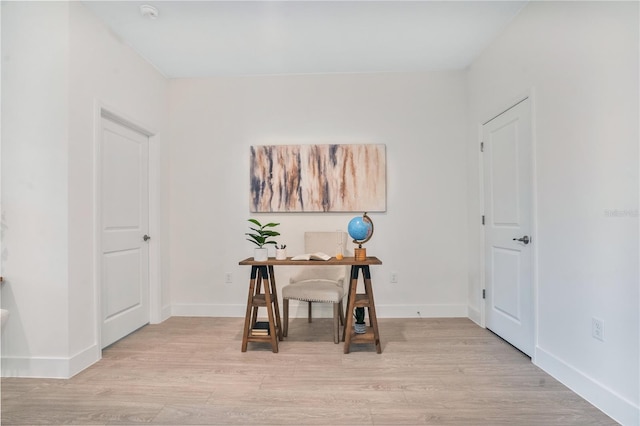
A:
(346, 261)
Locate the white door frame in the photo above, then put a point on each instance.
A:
(534, 212)
(101, 111)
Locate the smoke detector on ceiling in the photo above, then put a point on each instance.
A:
(149, 11)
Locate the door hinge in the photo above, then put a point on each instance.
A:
(481, 146)
(484, 293)
(483, 219)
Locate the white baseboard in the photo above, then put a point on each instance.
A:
(165, 313)
(618, 408)
(84, 359)
(324, 310)
(210, 310)
(474, 315)
(421, 311)
(50, 368)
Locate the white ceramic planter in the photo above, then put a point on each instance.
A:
(281, 254)
(260, 254)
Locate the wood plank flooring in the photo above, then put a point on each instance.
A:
(190, 371)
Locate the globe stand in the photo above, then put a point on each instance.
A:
(361, 230)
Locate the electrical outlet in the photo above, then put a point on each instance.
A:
(597, 329)
(394, 277)
(228, 278)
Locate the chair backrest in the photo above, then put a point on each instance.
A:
(326, 242)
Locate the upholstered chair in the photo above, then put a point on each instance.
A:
(320, 284)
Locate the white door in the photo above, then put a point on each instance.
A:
(508, 223)
(124, 207)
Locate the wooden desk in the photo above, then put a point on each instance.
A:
(261, 271)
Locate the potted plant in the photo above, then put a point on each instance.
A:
(260, 237)
(359, 327)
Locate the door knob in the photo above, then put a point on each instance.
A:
(146, 238)
(524, 239)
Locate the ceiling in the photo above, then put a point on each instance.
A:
(222, 38)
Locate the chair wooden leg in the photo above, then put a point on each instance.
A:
(336, 323)
(309, 311)
(285, 309)
(341, 309)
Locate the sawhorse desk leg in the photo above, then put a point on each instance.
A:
(256, 299)
(361, 300)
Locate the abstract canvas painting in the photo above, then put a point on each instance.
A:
(318, 178)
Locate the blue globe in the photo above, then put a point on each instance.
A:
(359, 229)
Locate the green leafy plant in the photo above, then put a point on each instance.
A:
(358, 314)
(261, 234)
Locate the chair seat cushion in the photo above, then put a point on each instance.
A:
(314, 291)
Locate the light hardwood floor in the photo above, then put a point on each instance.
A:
(191, 371)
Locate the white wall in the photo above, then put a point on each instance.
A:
(420, 117)
(35, 86)
(104, 71)
(581, 59)
(61, 64)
